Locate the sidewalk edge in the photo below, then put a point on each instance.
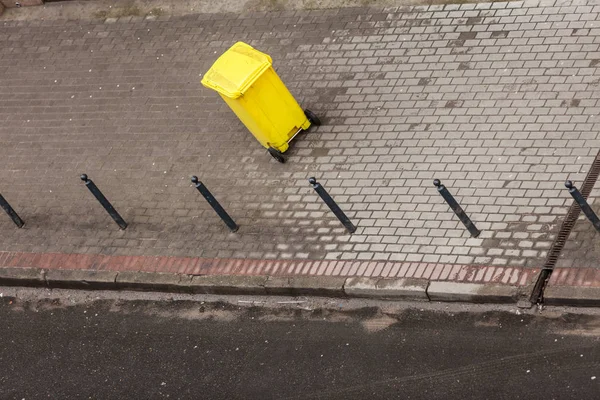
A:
(572, 296)
(472, 292)
(327, 286)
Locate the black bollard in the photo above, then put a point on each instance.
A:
(215, 204)
(583, 204)
(460, 213)
(332, 205)
(104, 201)
(11, 212)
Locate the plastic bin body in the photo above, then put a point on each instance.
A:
(247, 82)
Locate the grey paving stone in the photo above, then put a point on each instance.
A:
(499, 108)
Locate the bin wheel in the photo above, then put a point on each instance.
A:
(312, 117)
(276, 154)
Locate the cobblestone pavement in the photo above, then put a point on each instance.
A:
(499, 101)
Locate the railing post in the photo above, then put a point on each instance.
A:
(332, 205)
(460, 213)
(104, 201)
(11, 212)
(583, 204)
(215, 204)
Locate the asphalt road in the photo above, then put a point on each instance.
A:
(113, 349)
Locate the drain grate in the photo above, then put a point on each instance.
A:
(565, 231)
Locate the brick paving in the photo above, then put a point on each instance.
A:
(498, 100)
(579, 277)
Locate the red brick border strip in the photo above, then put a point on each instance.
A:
(580, 277)
(573, 287)
(501, 275)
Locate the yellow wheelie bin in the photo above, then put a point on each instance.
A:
(246, 80)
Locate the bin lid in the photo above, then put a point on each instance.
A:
(236, 70)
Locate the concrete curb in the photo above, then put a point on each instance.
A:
(152, 281)
(22, 277)
(229, 284)
(393, 289)
(572, 296)
(327, 286)
(472, 292)
(77, 279)
(406, 289)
